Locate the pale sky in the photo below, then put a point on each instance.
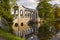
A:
(33, 3)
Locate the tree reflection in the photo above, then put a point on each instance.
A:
(44, 33)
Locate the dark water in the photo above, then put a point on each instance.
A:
(33, 37)
(55, 37)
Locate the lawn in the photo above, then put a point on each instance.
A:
(9, 36)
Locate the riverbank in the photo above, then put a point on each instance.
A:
(8, 36)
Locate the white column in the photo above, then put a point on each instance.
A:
(19, 13)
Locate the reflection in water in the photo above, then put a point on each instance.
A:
(45, 33)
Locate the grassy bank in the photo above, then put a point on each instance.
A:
(9, 36)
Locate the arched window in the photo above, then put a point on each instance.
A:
(30, 15)
(36, 15)
(21, 12)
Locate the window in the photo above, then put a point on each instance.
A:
(16, 24)
(36, 15)
(30, 15)
(21, 24)
(26, 15)
(21, 12)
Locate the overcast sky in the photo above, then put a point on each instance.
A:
(33, 3)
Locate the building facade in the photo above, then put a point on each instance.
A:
(25, 21)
